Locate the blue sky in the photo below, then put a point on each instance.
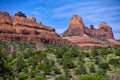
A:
(57, 13)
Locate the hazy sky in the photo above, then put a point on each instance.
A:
(57, 13)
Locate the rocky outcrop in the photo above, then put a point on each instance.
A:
(77, 33)
(20, 28)
(76, 27)
(20, 14)
(103, 31)
(5, 18)
(32, 19)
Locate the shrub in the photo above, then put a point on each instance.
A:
(59, 54)
(117, 52)
(98, 59)
(91, 77)
(39, 78)
(81, 56)
(114, 61)
(77, 71)
(81, 70)
(92, 68)
(67, 73)
(22, 76)
(61, 78)
(56, 70)
(87, 54)
(94, 52)
(68, 63)
(104, 66)
(5, 67)
(101, 72)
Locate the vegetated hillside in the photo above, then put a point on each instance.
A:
(16, 46)
(61, 62)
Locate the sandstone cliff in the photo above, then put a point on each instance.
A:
(77, 33)
(76, 27)
(20, 28)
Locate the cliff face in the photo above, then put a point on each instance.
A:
(21, 28)
(76, 26)
(77, 33)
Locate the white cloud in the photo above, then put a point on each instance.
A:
(39, 8)
(36, 12)
(92, 11)
(60, 9)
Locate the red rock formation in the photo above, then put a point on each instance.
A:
(107, 30)
(104, 31)
(32, 19)
(20, 14)
(21, 28)
(77, 26)
(5, 18)
(81, 35)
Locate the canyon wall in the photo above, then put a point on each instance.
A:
(20, 28)
(76, 27)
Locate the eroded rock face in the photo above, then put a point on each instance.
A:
(21, 28)
(77, 33)
(32, 19)
(107, 30)
(76, 27)
(20, 14)
(5, 18)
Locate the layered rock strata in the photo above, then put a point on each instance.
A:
(76, 27)
(21, 28)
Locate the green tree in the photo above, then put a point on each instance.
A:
(5, 68)
(47, 66)
(81, 56)
(94, 52)
(117, 52)
(105, 66)
(114, 61)
(81, 70)
(68, 63)
(103, 52)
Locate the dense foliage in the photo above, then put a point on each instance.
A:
(92, 77)
(60, 62)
